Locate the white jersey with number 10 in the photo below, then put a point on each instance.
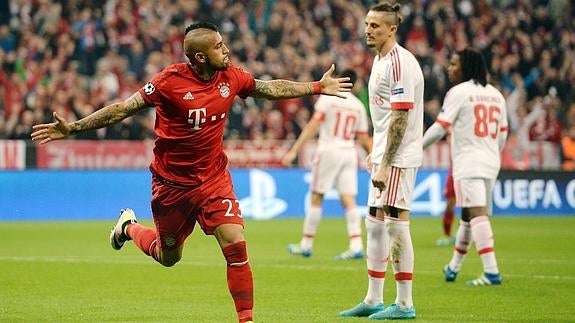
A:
(341, 120)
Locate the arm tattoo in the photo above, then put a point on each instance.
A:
(397, 127)
(110, 114)
(281, 89)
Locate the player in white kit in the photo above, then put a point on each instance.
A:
(475, 113)
(396, 106)
(339, 122)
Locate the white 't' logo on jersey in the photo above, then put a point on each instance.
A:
(196, 117)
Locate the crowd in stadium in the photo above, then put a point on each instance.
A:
(79, 55)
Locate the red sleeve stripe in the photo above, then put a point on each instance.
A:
(443, 123)
(403, 276)
(376, 274)
(484, 251)
(395, 65)
(504, 129)
(401, 105)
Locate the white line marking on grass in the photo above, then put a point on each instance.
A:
(74, 259)
(539, 261)
(311, 267)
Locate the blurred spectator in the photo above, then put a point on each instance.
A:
(570, 115)
(514, 156)
(81, 54)
(252, 122)
(431, 110)
(273, 124)
(4, 12)
(299, 121)
(20, 122)
(568, 150)
(90, 38)
(7, 39)
(235, 128)
(546, 125)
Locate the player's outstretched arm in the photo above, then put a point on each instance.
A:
(116, 112)
(433, 134)
(284, 89)
(365, 141)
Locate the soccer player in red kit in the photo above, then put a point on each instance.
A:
(190, 179)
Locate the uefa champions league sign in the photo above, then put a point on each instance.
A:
(263, 194)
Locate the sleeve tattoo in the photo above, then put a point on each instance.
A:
(110, 114)
(397, 128)
(281, 89)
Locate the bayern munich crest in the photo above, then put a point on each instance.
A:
(224, 89)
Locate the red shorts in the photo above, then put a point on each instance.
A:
(176, 209)
(449, 191)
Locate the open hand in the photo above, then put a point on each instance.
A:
(47, 132)
(331, 86)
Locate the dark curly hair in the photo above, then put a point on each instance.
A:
(472, 65)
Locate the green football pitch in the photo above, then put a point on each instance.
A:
(67, 272)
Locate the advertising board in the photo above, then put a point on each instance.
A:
(263, 193)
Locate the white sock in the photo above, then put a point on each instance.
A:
(377, 251)
(402, 259)
(462, 245)
(310, 224)
(483, 238)
(353, 220)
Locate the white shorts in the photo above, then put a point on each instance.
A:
(474, 192)
(399, 190)
(335, 168)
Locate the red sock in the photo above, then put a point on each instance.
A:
(240, 281)
(144, 238)
(447, 220)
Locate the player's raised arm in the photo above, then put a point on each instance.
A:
(113, 113)
(308, 132)
(284, 89)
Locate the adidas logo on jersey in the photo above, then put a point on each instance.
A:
(188, 96)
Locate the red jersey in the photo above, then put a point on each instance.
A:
(190, 120)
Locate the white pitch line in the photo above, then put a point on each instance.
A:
(329, 267)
